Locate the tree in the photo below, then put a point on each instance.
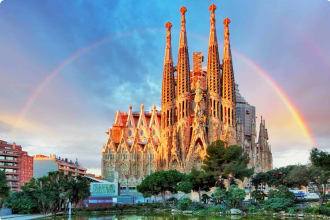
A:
(320, 159)
(226, 163)
(279, 199)
(197, 181)
(4, 188)
(53, 192)
(160, 182)
(260, 180)
(275, 177)
(19, 202)
(304, 176)
(231, 197)
(78, 190)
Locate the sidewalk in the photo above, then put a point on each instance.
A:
(22, 217)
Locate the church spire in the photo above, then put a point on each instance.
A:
(228, 83)
(168, 50)
(183, 70)
(213, 68)
(227, 80)
(183, 67)
(168, 89)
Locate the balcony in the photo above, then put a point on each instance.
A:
(15, 160)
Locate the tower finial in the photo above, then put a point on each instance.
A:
(226, 22)
(183, 10)
(168, 51)
(168, 26)
(212, 9)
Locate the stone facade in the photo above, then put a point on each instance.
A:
(198, 107)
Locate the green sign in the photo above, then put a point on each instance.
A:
(104, 189)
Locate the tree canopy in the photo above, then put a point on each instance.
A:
(50, 194)
(197, 181)
(320, 159)
(160, 182)
(226, 162)
(4, 188)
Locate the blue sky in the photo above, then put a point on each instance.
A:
(288, 39)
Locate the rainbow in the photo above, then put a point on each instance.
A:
(285, 99)
(274, 85)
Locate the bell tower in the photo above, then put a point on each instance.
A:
(213, 82)
(228, 106)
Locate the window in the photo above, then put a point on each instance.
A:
(141, 132)
(129, 132)
(153, 132)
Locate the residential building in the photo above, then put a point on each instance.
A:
(42, 165)
(17, 164)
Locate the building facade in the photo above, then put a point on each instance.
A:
(259, 150)
(198, 107)
(42, 165)
(16, 163)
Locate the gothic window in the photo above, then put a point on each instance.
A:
(141, 132)
(153, 132)
(229, 116)
(129, 132)
(141, 122)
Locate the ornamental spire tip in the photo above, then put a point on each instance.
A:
(212, 8)
(226, 22)
(183, 10)
(168, 25)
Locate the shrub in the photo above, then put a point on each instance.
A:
(278, 204)
(324, 210)
(184, 204)
(281, 192)
(21, 203)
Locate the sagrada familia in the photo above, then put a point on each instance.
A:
(198, 106)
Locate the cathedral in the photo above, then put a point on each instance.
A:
(199, 105)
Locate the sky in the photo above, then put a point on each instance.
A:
(67, 66)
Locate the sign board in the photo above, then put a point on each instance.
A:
(104, 189)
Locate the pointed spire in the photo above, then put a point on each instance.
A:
(183, 35)
(168, 85)
(168, 91)
(227, 51)
(183, 67)
(228, 82)
(213, 34)
(168, 50)
(213, 63)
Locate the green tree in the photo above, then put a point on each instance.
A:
(320, 159)
(4, 188)
(260, 180)
(160, 182)
(78, 190)
(53, 192)
(258, 195)
(316, 176)
(226, 163)
(19, 202)
(231, 197)
(197, 181)
(279, 199)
